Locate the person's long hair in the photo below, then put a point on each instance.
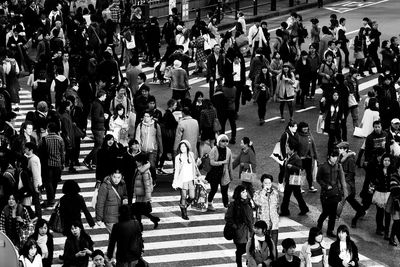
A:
(119, 107)
(180, 152)
(27, 246)
(343, 228)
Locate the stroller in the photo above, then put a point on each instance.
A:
(201, 194)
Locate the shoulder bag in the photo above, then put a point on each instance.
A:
(247, 176)
(55, 222)
(297, 179)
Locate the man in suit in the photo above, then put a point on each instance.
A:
(215, 62)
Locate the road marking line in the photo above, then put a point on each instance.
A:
(305, 109)
(237, 130)
(272, 119)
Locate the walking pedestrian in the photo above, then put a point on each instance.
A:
(30, 256)
(285, 90)
(293, 167)
(260, 249)
(314, 250)
(44, 240)
(71, 206)
(393, 206)
(185, 173)
(333, 116)
(53, 159)
(143, 187)
(98, 118)
(127, 236)
(221, 170)
(263, 83)
(288, 259)
(247, 161)
(35, 169)
(112, 195)
(330, 177)
(307, 152)
(240, 216)
(78, 247)
(343, 252)
(267, 202)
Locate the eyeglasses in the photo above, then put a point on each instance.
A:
(224, 141)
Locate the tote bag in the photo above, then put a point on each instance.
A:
(247, 176)
(297, 179)
(352, 101)
(55, 222)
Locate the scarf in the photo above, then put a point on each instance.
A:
(42, 243)
(257, 242)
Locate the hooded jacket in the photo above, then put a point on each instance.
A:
(143, 183)
(108, 202)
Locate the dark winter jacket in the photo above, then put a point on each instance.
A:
(240, 216)
(71, 206)
(97, 116)
(334, 252)
(73, 246)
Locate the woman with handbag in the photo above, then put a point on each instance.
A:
(240, 217)
(247, 162)
(267, 203)
(71, 206)
(143, 187)
(13, 217)
(184, 175)
(380, 197)
(221, 170)
(293, 180)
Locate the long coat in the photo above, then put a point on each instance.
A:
(240, 216)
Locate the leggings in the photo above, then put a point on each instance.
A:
(290, 107)
(184, 193)
(224, 192)
(240, 250)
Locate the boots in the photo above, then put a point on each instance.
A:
(189, 202)
(184, 213)
(155, 220)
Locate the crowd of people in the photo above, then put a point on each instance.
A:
(73, 57)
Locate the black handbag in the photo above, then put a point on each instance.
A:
(229, 232)
(55, 222)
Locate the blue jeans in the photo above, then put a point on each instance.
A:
(98, 141)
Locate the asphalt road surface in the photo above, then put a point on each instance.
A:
(199, 241)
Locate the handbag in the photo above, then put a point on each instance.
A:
(380, 198)
(297, 179)
(229, 232)
(247, 176)
(352, 101)
(55, 222)
(320, 124)
(205, 163)
(216, 125)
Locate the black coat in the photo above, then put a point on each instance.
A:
(334, 252)
(71, 206)
(107, 158)
(50, 247)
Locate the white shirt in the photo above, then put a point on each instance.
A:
(37, 261)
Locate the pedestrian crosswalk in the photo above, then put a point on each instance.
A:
(176, 242)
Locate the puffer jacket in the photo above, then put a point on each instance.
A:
(108, 202)
(149, 137)
(143, 183)
(268, 205)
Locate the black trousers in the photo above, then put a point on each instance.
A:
(224, 192)
(328, 210)
(307, 166)
(346, 54)
(296, 190)
(314, 79)
(52, 177)
(231, 116)
(240, 250)
(239, 90)
(383, 219)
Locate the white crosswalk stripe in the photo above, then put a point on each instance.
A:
(197, 242)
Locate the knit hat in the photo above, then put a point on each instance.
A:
(179, 28)
(221, 136)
